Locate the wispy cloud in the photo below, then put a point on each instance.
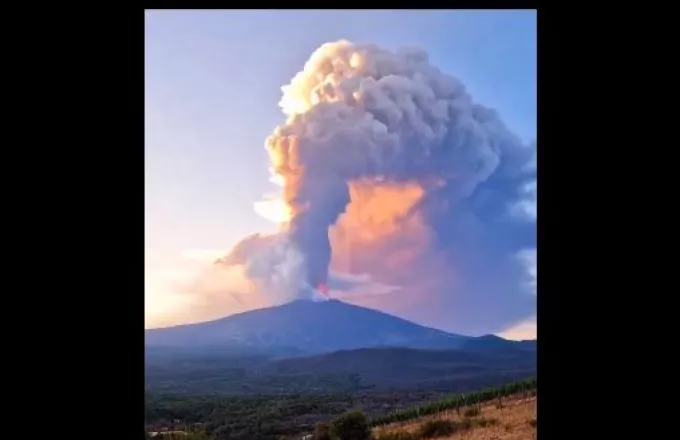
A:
(527, 258)
(348, 286)
(526, 207)
(521, 331)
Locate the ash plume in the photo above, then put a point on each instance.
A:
(390, 168)
(361, 112)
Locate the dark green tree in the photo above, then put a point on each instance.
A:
(352, 426)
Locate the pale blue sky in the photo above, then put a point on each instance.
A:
(212, 87)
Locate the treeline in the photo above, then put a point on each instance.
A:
(243, 417)
(457, 402)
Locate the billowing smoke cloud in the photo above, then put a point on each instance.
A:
(389, 168)
(273, 263)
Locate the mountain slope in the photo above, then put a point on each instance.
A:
(407, 367)
(497, 345)
(312, 327)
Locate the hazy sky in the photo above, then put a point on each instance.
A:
(212, 87)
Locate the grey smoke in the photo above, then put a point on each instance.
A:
(361, 112)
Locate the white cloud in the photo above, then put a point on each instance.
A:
(521, 331)
(527, 258)
(526, 207)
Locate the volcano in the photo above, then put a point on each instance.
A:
(307, 327)
(313, 327)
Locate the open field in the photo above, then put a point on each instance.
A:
(515, 421)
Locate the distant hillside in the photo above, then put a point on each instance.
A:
(340, 371)
(305, 326)
(497, 344)
(415, 368)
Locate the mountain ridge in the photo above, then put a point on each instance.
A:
(308, 327)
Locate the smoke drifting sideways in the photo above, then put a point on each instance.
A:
(390, 169)
(275, 266)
